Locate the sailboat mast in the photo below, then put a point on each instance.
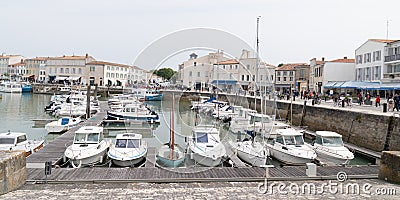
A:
(255, 79)
(172, 128)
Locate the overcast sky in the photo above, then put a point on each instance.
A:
(119, 30)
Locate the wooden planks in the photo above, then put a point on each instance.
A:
(153, 174)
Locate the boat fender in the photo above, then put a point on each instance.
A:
(191, 155)
(101, 159)
(74, 166)
(64, 159)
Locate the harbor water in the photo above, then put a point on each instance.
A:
(18, 111)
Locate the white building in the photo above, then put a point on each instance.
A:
(369, 60)
(68, 68)
(338, 70)
(17, 71)
(197, 72)
(36, 69)
(6, 60)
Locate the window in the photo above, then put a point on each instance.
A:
(291, 78)
(278, 73)
(367, 57)
(302, 73)
(261, 76)
(198, 74)
(248, 77)
(377, 72)
(279, 139)
(73, 71)
(279, 78)
(284, 78)
(61, 70)
(80, 71)
(108, 67)
(117, 75)
(254, 78)
(190, 73)
(285, 73)
(92, 68)
(248, 66)
(21, 138)
(242, 77)
(359, 59)
(67, 70)
(377, 56)
(202, 138)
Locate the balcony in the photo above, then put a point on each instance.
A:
(391, 75)
(392, 58)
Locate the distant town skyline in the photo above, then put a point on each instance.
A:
(118, 31)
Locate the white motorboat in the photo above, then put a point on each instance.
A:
(129, 149)
(134, 112)
(18, 141)
(88, 148)
(12, 87)
(251, 152)
(201, 103)
(206, 147)
(289, 147)
(62, 124)
(263, 123)
(329, 146)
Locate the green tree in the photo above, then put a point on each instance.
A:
(165, 73)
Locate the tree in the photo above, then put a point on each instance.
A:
(165, 73)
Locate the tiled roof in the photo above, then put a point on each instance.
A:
(107, 63)
(290, 66)
(18, 64)
(37, 58)
(228, 62)
(319, 62)
(383, 40)
(8, 56)
(342, 60)
(68, 58)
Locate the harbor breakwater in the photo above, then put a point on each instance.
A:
(372, 130)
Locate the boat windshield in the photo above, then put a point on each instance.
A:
(202, 138)
(127, 143)
(6, 140)
(294, 140)
(91, 138)
(332, 141)
(133, 143)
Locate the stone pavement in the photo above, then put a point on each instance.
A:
(367, 189)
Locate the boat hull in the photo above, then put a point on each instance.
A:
(127, 163)
(252, 156)
(287, 158)
(91, 160)
(207, 161)
(333, 159)
(150, 119)
(154, 98)
(170, 163)
(164, 153)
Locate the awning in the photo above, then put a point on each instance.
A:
(390, 86)
(369, 86)
(224, 82)
(73, 78)
(60, 78)
(338, 84)
(330, 84)
(28, 75)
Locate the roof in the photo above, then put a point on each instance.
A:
(228, 62)
(290, 66)
(107, 63)
(319, 62)
(8, 56)
(73, 57)
(383, 40)
(38, 58)
(288, 132)
(11, 134)
(343, 60)
(90, 129)
(328, 134)
(18, 64)
(128, 136)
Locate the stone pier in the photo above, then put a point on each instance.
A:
(389, 169)
(12, 170)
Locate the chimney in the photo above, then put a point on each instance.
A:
(345, 57)
(323, 59)
(87, 55)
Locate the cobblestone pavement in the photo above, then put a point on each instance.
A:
(350, 189)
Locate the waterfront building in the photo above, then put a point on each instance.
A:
(36, 69)
(378, 60)
(285, 77)
(17, 71)
(68, 69)
(6, 60)
(322, 72)
(197, 71)
(302, 77)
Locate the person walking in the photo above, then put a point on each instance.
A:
(396, 102)
(378, 101)
(391, 104)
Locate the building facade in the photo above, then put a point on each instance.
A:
(285, 77)
(68, 69)
(6, 61)
(36, 69)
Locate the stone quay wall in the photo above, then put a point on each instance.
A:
(374, 131)
(12, 170)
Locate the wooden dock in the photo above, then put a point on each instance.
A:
(196, 174)
(54, 151)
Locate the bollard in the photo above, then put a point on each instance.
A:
(384, 106)
(343, 103)
(312, 102)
